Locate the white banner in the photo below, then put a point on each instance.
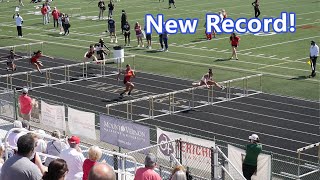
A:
(198, 151)
(53, 116)
(81, 123)
(237, 155)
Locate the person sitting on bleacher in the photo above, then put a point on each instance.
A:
(19, 166)
(55, 146)
(74, 158)
(41, 143)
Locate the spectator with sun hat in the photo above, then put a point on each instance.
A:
(249, 166)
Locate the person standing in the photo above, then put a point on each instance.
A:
(249, 166)
(102, 8)
(234, 41)
(149, 38)
(112, 30)
(147, 172)
(21, 3)
(123, 20)
(44, 11)
(172, 2)
(314, 53)
(139, 35)
(26, 103)
(126, 34)
(48, 12)
(111, 8)
(19, 22)
(165, 40)
(55, 16)
(256, 5)
(66, 25)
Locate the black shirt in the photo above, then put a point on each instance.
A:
(101, 4)
(126, 27)
(111, 6)
(123, 17)
(111, 23)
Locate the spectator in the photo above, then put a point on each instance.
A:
(148, 172)
(19, 167)
(66, 25)
(25, 104)
(61, 23)
(57, 170)
(36, 158)
(94, 154)
(111, 8)
(126, 34)
(41, 143)
(178, 173)
(165, 40)
(74, 158)
(102, 171)
(44, 12)
(19, 22)
(55, 146)
(314, 53)
(55, 15)
(102, 8)
(139, 35)
(249, 166)
(148, 37)
(124, 20)
(48, 12)
(1, 156)
(16, 134)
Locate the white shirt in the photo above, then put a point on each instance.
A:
(19, 20)
(314, 50)
(74, 161)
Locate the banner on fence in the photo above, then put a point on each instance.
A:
(193, 149)
(123, 133)
(52, 115)
(82, 123)
(237, 155)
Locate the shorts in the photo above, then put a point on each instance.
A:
(126, 33)
(112, 30)
(139, 35)
(148, 37)
(234, 45)
(125, 81)
(9, 63)
(26, 116)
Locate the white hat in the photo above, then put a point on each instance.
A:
(25, 90)
(254, 137)
(17, 124)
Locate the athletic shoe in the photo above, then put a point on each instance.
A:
(150, 47)
(237, 58)
(116, 41)
(111, 41)
(138, 45)
(129, 93)
(166, 50)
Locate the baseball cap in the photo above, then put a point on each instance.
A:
(74, 140)
(313, 41)
(254, 137)
(150, 160)
(25, 90)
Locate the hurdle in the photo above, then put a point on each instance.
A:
(66, 73)
(175, 103)
(27, 48)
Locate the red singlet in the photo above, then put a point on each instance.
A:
(89, 54)
(128, 75)
(35, 58)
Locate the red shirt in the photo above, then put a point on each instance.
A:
(138, 30)
(87, 165)
(25, 104)
(128, 75)
(55, 14)
(35, 58)
(146, 174)
(44, 10)
(235, 41)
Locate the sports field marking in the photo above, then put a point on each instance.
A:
(175, 60)
(274, 44)
(263, 107)
(224, 135)
(269, 116)
(278, 64)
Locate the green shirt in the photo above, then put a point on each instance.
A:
(252, 153)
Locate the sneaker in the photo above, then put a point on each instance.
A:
(111, 41)
(129, 93)
(150, 47)
(116, 41)
(166, 50)
(162, 49)
(138, 45)
(237, 58)
(142, 45)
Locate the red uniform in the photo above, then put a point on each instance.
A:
(44, 10)
(235, 41)
(35, 58)
(127, 76)
(89, 54)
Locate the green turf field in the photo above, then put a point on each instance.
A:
(281, 57)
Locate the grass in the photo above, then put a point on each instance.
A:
(281, 57)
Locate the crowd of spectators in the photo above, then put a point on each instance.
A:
(35, 155)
